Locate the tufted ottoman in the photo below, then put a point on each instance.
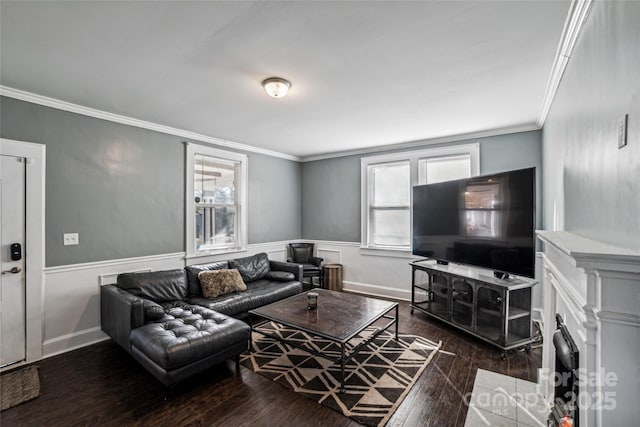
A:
(187, 340)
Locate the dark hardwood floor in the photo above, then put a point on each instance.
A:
(102, 385)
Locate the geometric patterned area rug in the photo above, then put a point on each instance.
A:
(377, 379)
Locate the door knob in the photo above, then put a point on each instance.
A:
(14, 270)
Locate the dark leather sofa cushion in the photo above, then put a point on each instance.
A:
(258, 293)
(188, 334)
(158, 286)
(152, 311)
(251, 268)
(280, 276)
(194, 270)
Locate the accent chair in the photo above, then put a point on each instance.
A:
(302, 253)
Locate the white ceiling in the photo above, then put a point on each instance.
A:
(363, 73)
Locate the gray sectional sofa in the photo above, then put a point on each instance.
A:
(163, 320)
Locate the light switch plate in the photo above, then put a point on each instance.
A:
(622, 131)
(70, 239)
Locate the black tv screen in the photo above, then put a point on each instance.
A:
(486, 221)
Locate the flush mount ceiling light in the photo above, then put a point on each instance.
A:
(276, 87)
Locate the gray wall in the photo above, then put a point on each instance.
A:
(515, 151)
(122, 188)
(331, 187)
(592, 186)
(275, 197)
(331, 199)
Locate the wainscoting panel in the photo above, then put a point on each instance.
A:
(72, 293)
(367, 273)
(72, 298)
(112, 278)
(384, 274)
(330, 256)
(278, 255)
(277, 251)
(71, 315)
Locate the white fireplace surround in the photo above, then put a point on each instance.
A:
(595, 287)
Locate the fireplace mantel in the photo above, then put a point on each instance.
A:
(591, 254)
(596, 288)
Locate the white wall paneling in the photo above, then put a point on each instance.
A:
(277, 251)
(72, 293)
(330, 256)
(380, 273)
(277, 255)
(369, 274)
(112, 278)
(72, 298)
(537, 292)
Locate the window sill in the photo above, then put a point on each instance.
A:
(387, 252)
(214, 252)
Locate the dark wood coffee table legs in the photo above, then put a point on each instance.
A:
(342, 363)
(344, 359)
(344, 317)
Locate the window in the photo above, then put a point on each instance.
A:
(216, 202)
(389, 204)
(444, 168)
(386, 189)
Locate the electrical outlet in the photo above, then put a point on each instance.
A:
(622, 131)
(70, 239)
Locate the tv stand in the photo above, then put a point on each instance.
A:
(495, 310)
(440, 262)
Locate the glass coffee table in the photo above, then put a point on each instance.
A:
(339, 317)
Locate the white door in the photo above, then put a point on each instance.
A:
(12, 260)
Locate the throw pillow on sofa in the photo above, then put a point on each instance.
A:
(194, 270)
(252, 268)
(220, 282)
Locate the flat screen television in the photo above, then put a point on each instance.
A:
(486, 221)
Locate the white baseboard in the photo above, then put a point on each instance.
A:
(377, 291)
(72, 341)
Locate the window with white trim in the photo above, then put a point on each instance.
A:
(387, 181)
(389, 203)
(216, 185)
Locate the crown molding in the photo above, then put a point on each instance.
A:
(576, 18)
(117, 118)
(425, 142)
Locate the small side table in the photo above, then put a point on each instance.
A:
(332, 279)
